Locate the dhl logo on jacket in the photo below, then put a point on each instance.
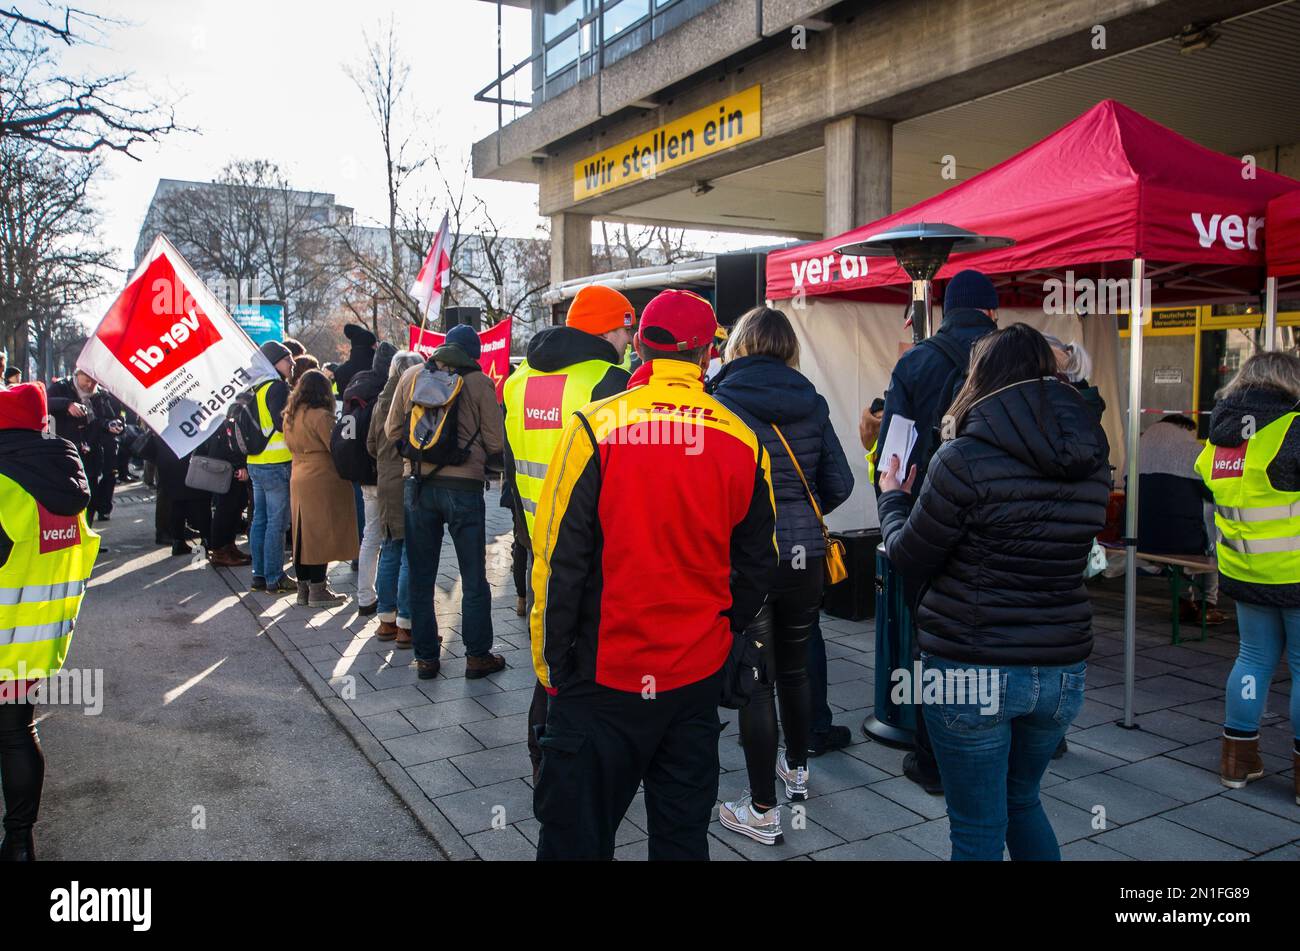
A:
(651, 498)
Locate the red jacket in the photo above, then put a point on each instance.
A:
(653, 539)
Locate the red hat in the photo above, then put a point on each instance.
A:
(23, 407)
(677, 320)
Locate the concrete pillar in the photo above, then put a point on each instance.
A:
(570, 246)
(859, 172)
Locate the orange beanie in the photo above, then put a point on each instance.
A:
(598, 310)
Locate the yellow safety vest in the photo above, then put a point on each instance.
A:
(276, 449)
(537, 407)
(41, 584)
(871, 462)
(1259, 527)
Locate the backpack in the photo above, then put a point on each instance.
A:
(433, 422)
(240, 434)
(348, 442)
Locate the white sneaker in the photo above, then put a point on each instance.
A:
(763, 827)
(796, 780)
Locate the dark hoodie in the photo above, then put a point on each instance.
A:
(361, 358)
(49, 469)
(1001, 530)
(555, 348)
(1263, 405)
(363, 392)
(764, 391)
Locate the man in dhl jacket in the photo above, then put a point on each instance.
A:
(653, 542)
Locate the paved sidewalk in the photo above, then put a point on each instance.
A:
(455, 748)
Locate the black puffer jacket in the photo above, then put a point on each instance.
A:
(48, 468)
(764, 391)
(1002, 527)
(1260, 406)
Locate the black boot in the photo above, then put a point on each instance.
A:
(18, 848)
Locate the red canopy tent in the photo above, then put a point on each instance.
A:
(1111, 194)
(1282, 245)
(1108, 187)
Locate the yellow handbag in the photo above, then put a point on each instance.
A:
(836, 569)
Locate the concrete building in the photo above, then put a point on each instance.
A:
(805, 118)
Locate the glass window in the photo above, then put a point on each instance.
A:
(560, 15)
(562, 55)
(623, 14)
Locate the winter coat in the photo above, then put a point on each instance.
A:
(1000, 532)
(48, 469)
(366, 386)
(925, 380)
(764, 391)
(1171, 518)
(84, 432)
(358, 361)
(555, 348)
(482, 427)
(172, 471)
(1229, 421)
(390, 465)
(323, 506)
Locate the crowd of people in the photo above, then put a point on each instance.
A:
(668, 485)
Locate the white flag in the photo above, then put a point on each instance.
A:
(433, 278)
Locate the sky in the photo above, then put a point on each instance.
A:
(267, 80)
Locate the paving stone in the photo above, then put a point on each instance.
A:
(860, 813)
(1275, 794)
(886, 758)
(500, 731)
(320, 652)
(1179, 726)
(503, 845)
(1287, 853)
(1089, 850)
(1146, 666)
(832, 772)
(811, 838)
(1170, 777)
(456, 688)
(488, 767)
(1207, 755)
(931, 836)
(435, 716)
(1130, 745)
(840, 670)
(1094, 713)
(433, 744)
(1083, 761)
(386, 726)
(473, 810)
(886, 847)
(1160, 839)
(1123, 801)
(503, 703)
(385, 677)
(850, 694)
(910, 796)
(382, 701)
(439, 778)
(1237, 824)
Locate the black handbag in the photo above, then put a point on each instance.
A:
(746, 666)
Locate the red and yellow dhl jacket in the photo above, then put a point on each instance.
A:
(654, 537)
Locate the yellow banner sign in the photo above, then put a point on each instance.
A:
(715, 128)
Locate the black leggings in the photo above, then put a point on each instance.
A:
(22, 771)
(312, 574)
(789, 614)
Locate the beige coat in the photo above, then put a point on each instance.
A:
(390, 484)
(323, 505)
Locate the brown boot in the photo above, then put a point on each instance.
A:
(229, 556)
(387, 631)
(320, 596)
(303, 592)
(1240, 762)
(403, 641)
(521, 607)
(476, 667)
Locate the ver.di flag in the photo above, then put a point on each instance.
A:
(170, 352)
(495, 355)
(432, 280)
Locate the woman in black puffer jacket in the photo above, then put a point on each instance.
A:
(759, 382)
(998, 540)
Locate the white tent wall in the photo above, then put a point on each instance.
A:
(848, 350)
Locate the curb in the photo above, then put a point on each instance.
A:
(448, 841)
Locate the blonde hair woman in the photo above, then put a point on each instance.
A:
(1251, 464)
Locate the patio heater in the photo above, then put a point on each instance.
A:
(920, 250)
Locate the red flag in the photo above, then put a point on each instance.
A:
(494, 357)
(434, 275)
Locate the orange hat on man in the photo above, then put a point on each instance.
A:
(598, 310)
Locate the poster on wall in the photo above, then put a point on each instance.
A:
(169, 350)
(261, 321)
(495, 355)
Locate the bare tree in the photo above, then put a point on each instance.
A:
(50, 256)
(42, 104)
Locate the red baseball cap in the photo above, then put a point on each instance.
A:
(23, 407)
(677, 320)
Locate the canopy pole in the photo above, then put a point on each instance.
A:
(1270, 313)
(1137, 314)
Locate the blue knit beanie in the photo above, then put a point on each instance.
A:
(466, 337)
(970, 288)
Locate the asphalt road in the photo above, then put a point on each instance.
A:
(207, 746)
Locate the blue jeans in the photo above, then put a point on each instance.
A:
(992, 756)
(392, 584)
(270, 519)
(1265, 634)
(429, 510)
